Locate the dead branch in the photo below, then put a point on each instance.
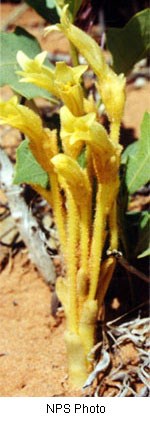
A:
(26, 223)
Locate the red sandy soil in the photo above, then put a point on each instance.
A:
(32, 351)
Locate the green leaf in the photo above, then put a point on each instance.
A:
(136, 231)
(145, 253)
(138, 168)
(51, 3)
(130, 44)
(143, 233)
(10, 44)
(27, 169)
(46, 9)
(82, 158)
(131, 150)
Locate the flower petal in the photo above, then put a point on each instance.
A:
(62, 82)
(84, 43)
(111, 86)
(67, 74)
(35, 72)
(105, 154)
(75, 177)
(24, 61)
(28, 122)
(74, 128)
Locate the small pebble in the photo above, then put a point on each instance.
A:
(139, 82)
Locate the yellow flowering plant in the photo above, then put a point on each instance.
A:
(86, 170)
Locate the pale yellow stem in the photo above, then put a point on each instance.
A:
(104, 199)
(85, 223)
(82, 288)
(115, 131)
(87, 325)
(89, 167)
(58, 211)
(72, 244)
(77, 364)
(97, 240)
(85, 235)
(82, 276)
(113, 227)
(74, 55)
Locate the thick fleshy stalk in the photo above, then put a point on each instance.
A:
(106, 272)
(59, 212)
(71, 257)
(103, 204)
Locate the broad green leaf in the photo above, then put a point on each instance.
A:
(138, 168)
(131, 150)
(145, 253)
(133, 226)
(47, 9)
(130, 44)
(27, 169)
(10, 44)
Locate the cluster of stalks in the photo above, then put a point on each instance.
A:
(86, 171)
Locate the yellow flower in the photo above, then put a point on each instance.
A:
(35, 72)
(70, 91)
(110, 85)
(90, 105)
(62, 81)
(75, 177)
(74, 130)
(112, 91)
(21, 117)
(43, 142)
(105, 154)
